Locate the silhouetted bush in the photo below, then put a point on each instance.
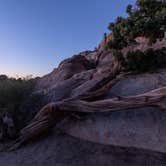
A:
(150, 60)
(13, 92)
(3, 77)
(139, 61)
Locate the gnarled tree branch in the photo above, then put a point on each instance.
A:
(55, 112)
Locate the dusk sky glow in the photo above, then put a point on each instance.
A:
(35, 35)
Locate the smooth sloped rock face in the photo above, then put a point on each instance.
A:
(63, 150)
(141, 128)
(137, 84)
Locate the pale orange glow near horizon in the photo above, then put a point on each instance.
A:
(20, 74)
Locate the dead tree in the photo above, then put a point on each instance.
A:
(86, 98)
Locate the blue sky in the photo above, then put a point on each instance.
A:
(35, 35)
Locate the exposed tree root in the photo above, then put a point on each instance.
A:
(54, 113)
(91, 88)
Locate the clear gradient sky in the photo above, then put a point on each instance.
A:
(35, 35)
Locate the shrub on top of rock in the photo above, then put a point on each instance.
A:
(147, 19)
(142, 61)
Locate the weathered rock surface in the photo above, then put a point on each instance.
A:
(63, 150)
(141, 128)
(137, 128)
(143, 44)
(65, 70)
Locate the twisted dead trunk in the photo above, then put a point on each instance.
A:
(53, 113)
(79, 101)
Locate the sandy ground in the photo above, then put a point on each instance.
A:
(64, 150)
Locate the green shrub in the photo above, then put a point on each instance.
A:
(138, 61)
(149, 60)
(147, 18)
(141, 61)
(13, 92)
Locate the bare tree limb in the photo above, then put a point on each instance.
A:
(54, 113)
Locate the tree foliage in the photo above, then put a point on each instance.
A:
(147, 18)
(142, 61)
(13, 91)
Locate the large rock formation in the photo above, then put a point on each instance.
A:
(141, 128)
(68, 93)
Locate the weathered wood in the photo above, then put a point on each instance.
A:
(86, 88)
(54, 113)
